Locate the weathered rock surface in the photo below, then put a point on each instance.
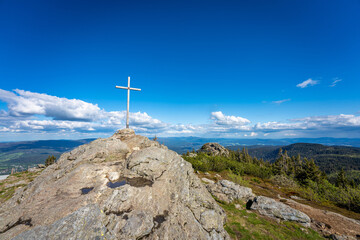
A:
(122, 187)
(341, 237)
(228, 191)
(214, 149)
(84, 223)
(271, 208)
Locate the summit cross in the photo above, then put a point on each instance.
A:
(128, 88)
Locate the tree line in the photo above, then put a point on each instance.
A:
(311, 182)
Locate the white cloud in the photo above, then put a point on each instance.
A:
(252, 134)
(313, 123)
(278, 126)
(336, 80)
(342, 120)
(307, 83)
(27, 110)
(281, 101)
(30, 113)
(25, 103)
(221, 119)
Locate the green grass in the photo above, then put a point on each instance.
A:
(7, 192)
(243, 224)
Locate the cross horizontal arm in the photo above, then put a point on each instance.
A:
(121, 87)
(136, 89)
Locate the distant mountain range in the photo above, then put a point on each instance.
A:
(183, 144)
(28, 153)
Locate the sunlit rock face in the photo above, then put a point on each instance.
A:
(122, 187)
(214, 149)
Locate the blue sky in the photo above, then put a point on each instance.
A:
(206, 68)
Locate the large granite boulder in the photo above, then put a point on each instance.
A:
(122, 187)
(214, 149)
(228, 191)
(272, 208)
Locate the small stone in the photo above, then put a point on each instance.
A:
(41, 166)
(237, 206)
(297, 198)
(208, 181)
(113, 176)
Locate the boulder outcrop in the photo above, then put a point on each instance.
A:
(214, 149)
(272, 208)
(122, 187)
(228, 191)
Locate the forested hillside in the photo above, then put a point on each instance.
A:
(329, 158)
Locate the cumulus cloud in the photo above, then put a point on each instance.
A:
(30, 112)
(281, 101)
(25, 103)
(307, 83)
(221, 119)
(336, 80)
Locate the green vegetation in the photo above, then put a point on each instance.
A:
(15, 181)
(308, 181)
(243, 224)
(50, 160)
(352, 176)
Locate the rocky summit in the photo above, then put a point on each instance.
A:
(214, 149)
(122, 187)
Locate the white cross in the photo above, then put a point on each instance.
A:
(128, 99)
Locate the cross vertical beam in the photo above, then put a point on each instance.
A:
(128, 103)
(128, 88)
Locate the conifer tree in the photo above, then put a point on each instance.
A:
(341, 180)
(50, 160)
